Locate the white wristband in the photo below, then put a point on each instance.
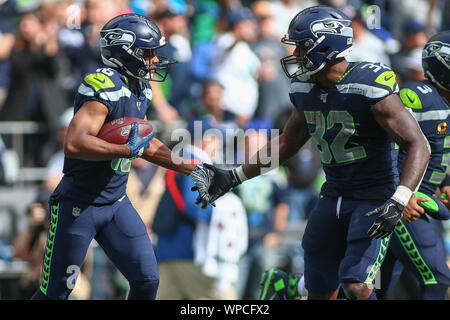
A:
(240, 174)
(402, 195)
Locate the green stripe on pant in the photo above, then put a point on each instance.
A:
(411, 250)
(54, 210)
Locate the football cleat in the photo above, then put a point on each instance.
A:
(278, 285)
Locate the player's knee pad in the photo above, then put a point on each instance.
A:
(143, 289)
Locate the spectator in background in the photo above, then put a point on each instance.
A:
(304, 170)
(366, 46)
(212, 107)
(413, 65)
(285, 10)
(30, 246)
(273, 84)
(54, 170)
(415, 38)
(267, 217)
(173, 23)
(203, 31)
(6, 45)
(35, 93)
(235, 66)
(426, 12)
(145, 187)
(175, 226)
(81, 44)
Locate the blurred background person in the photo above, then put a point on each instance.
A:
(55, 164)
(211, 108)
(235, 66)
(267, 217)
(414, 39)
(34, 93)
(426, 12)
(285, 10)
(7, 39)
(145, 188)
(413, 65)
(173, 23)
(81, 43)
(273, 84)
(30, 246)
(175, 225)
(366, 46)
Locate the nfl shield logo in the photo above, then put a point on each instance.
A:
(76, 211)
(138, 105)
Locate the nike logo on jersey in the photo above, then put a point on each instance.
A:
(409, 98)
(387, 78)
(101, 81)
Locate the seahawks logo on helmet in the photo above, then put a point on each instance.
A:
(330, 26)
(117, 37)
(437, 47)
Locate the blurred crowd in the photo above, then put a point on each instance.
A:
(228, 76)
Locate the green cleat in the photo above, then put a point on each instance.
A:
(278, 285)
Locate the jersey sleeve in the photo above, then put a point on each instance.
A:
(102, 88)
(299, 90)
(378, 81)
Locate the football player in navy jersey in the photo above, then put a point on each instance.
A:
(415, 242)
(90, 201)
(353, 113)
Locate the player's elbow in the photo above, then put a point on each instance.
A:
(70, 149)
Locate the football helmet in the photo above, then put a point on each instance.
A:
(125, 39)
(436, 60)
(323, 34)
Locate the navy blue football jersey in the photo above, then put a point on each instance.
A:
(101, 182)
(358, 156)
(432, 113)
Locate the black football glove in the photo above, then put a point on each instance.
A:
(224, 181)
(202, 177)
(389, 215)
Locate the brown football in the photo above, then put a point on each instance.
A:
(118, 130)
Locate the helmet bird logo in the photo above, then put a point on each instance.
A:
(330, 26)
(117, 37)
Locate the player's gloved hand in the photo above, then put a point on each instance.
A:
(202, 177)
(224, 181)
(389, 215)
(136, 143)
